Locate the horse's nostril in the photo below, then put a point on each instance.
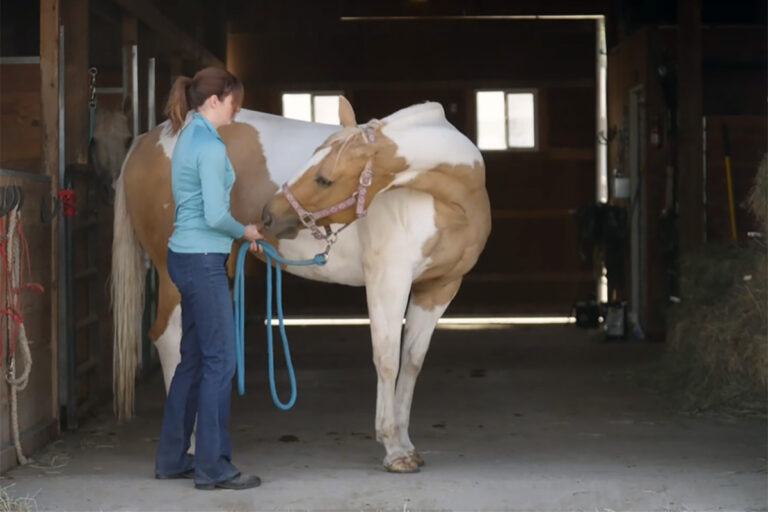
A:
(266, 218)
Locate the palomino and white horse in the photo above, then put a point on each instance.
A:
(428, 217)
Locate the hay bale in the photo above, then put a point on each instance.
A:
(717, 357)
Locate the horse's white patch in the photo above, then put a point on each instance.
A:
(168, 346)
(393, 233)
(287, 143)
(425, 138)
(167, 140)
(344, 264)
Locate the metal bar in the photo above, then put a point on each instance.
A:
(477, 17)
(125, 72)
(110, 90)
(135, 88)
(24, 175)
(67, 353)
(151, 110)
(20, 60)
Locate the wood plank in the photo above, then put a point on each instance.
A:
(75, 19)
(49, 94)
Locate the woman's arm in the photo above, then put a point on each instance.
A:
(212, 164)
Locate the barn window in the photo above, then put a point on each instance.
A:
(320, 108)
(506, 119)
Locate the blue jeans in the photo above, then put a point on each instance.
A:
(202, 383)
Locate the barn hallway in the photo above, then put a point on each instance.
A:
(524, 418)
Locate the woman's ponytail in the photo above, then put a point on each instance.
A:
(189, 93)
(178, 103)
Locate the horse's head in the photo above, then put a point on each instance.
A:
(339, 181)
(111, 140)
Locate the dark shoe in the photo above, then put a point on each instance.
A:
(237, 483)
(190, 473)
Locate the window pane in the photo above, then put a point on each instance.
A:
(490, 120)
(520, 120)
(326, 109)
(297, 106)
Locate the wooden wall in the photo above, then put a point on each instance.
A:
(20, 117)
(532, 263)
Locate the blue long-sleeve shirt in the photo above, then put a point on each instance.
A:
(201, 179)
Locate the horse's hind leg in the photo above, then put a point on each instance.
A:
(168, 344)
(427, 305)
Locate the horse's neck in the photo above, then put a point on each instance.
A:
(287, 143)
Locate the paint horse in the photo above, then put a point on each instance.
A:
(427, 221)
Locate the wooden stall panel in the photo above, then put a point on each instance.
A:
(36, 416)
(20, 117)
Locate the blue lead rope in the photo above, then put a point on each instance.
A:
(270, 254)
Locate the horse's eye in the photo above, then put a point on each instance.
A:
(323, 182)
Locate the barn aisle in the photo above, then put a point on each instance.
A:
(524, 418)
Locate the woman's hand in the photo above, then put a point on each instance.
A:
(252, 234)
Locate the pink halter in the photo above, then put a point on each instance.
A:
(309, 219)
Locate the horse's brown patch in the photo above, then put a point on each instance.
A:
(147, 186)
(147, 182)
(463, 221)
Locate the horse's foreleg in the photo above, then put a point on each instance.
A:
(387, 297)
(426, 307)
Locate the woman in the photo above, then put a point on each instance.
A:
(204, 229)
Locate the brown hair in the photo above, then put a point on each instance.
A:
(189, 93)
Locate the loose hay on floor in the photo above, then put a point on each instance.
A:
(10, 504)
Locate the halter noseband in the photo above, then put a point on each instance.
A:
(309, 219)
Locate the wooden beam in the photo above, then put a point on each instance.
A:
(689, 92)
(49, 118)
(75, 17)
(168, 32)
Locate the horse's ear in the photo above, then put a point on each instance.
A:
(127, 104)
(346, 112)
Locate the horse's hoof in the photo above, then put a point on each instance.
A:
(415, 457)
(403, 464)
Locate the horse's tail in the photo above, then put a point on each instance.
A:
(127, 289)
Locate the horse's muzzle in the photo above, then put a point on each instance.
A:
(281, 225)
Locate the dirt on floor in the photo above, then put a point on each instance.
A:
(515, 418)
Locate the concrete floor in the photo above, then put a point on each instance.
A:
(528, 418)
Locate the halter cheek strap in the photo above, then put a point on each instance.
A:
(309, 219)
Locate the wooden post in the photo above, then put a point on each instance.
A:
(74, 16)
(49, 118)
(689, 92)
